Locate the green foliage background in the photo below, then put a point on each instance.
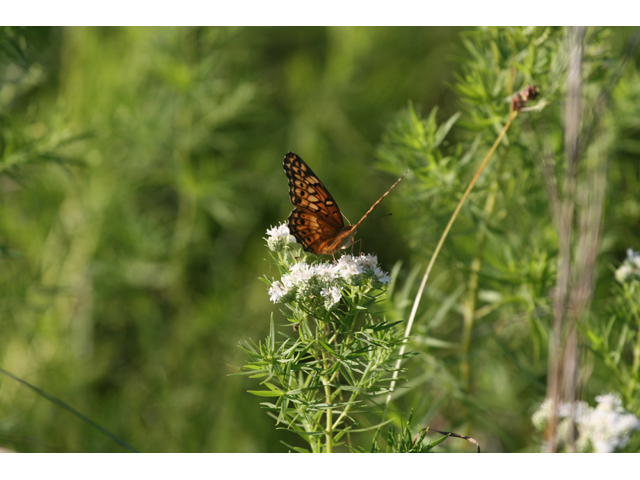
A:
(140, 168)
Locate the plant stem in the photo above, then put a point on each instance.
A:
(329, 413)
(416, 302)
(636, 348)
(363, 381)
(469, 311)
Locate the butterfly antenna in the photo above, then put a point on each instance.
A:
(379, 200)
(382, 216)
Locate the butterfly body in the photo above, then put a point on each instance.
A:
(316, 221)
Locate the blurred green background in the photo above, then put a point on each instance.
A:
(140, 170)
(141, 167)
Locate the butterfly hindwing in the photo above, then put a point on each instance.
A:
(310, 230)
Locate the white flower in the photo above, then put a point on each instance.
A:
(279, 231)
(603, 429)
(539, 418)
(609, 403)
(383, 276)
(336, 294)
(304, 282)
(279, 237)
(326, 271)
(575, 409)
(331, 296)
(350, 268)
(277, 291)
(366, 262)
(609, 425)
(301, 272)
(630, 268)
(624, 273)
(347, 267)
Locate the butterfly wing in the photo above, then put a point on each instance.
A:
(316, 219)
(315, 235)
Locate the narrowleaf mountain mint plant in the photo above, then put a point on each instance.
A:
(602, 429)
(279, 238)
(306, 283)
(321, 374)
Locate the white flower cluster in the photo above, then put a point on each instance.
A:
(601, 429)
(630, 268)
(306, 282)
(279, 237)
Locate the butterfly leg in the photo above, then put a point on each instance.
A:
(353, 245)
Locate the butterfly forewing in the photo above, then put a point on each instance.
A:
(309, 194)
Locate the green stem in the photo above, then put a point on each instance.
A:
(416, 302)
(363, 381)
(469, 312)
(329, 413)
(636, 349)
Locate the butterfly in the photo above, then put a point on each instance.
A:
(316, 221)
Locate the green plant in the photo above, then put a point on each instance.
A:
(616, 342)
(335, 354)
(128, 255)
(515, 281)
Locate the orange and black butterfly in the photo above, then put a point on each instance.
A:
(316, 222)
